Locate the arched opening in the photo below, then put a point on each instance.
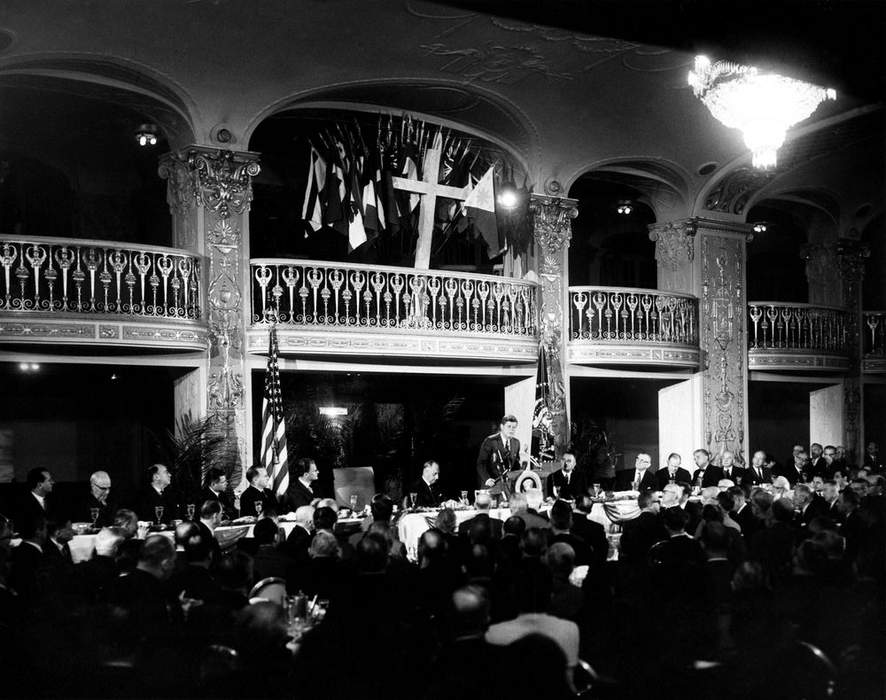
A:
(368, 217)
(776, 270)
(874, 285)
(610, 237)
(70, 165)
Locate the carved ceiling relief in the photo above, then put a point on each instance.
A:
(723, 340)
(732, 193)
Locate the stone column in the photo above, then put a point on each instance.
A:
(209, 193)
(675, 254)
(721, 289)
(851, 256)
(552, 230)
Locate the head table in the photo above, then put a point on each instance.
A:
(410, 526)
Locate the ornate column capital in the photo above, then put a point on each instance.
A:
(180, 195)
(673, 242)
(552, 226)
(851, 255)
(222, 179)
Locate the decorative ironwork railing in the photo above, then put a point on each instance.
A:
(875, 337)
(777, 325)
(98, 277)
(606, 314)
(306, 292)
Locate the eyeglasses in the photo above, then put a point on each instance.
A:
(102, 488)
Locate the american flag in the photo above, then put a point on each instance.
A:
(273, 436)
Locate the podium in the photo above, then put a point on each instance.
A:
(515, 478)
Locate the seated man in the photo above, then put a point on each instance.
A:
(257, 497)
(671, 473)
(156, 502)
(301, 484)
(215, 488)
(98, 501)
(567, 483)
(706, 473)
(637, 479)
(427, 489)
(482, 520)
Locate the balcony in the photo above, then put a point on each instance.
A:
(368, 310)
(86, 292)
(874, 331)
(626, 326)
(785, 336)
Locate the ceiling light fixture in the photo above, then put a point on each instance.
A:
(762, 105)
(333, 411)
(146, 135)
(760, 227)
(625, 207)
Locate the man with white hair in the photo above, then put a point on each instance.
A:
(299, 539)
(427, 488)
(731, 470)
(95, 577)
(640, 478)
(98, 500)
(758, 473)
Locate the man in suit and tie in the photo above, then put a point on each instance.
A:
(257, 492)
(706, 473)
(481, 524)
(157, 495)
(731, 471)
(35, 503)
(567, 483)
(427, 489)
(98, 499)
(215, 488)
(499, 453)
(758, 473)
(210, 518)
(301, 487)
(673, 472)
(817, 464)
(742, 513)
(640, 478)
(831, 495)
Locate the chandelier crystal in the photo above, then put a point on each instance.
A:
(762, 105)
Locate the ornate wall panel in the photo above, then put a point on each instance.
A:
(674, 253)
(723, 339)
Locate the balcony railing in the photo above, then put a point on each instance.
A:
(341, 295)
(69, 276)
(647, 316)
(875, 337)
(778, 326)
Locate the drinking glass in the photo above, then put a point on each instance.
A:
(413, 500)
(93, 513)
(464, 498)
(596, 490)
(192, 508)
(158, 511)
(258, 506)
(556, 490)
(354, 503)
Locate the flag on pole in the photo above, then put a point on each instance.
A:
(479, 206)
(542, 418)
(273, 438)
(312, 210)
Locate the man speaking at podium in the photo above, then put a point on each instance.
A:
(499, 454)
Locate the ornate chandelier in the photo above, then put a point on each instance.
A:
(762, 105)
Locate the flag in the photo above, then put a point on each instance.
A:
(312, 210)
(542, 417)
(273, 436)
(479, 207)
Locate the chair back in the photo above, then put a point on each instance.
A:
(354, 480)
(272, 589)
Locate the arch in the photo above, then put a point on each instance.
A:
(663, 183)
(109, 79)
(466, 108)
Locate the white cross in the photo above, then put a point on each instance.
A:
(429, 189)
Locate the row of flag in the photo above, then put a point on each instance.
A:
(350, 186)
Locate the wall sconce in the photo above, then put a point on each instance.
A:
(146, 135)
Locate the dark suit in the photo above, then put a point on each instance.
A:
(751, 478)
(227, 503)
(573, 487)
(711, 476)
(624, 480)
(481, 520)
(817, 467)
(27, 572)
(249, 497)
(638, 536)
(662, 477)
(816, 508)
(790, 473)
(214, 546)
(594, 534)
(495, 458)
(105, 512)
(427, 496)
(28, 508)
(750, 524)
(297, 495)
(734, 474)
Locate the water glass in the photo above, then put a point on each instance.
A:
(354, 503)
(158, 511)
(93, 513)
(192, 508)
(258, 506)
(464, 498)
(596, 490)
(413, 500)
